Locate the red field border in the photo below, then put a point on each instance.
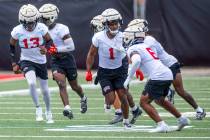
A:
(11, 77)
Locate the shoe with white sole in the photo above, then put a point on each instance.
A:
(163, 128)
(49, 118)
(200, 115)
(39, 114)
(182, 122)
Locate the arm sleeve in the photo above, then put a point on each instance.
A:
(64, 30)
(68, 45)
(136, 60)
(12, 53)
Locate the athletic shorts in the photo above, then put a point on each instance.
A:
(39, 69)
(157, 88)
(175, 68)
(111, 79)
(65, 64)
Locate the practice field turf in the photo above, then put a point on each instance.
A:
(17, 115)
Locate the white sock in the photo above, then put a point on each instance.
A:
(134, 108)
(125, 120)
(161, 123)
(199, 109)
(118, 110)
(67, 107)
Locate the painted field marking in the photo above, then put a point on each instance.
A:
(96, 120)
(102, 137)
(109, 128)
(52, 89)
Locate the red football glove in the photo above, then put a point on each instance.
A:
(139, 74)
(52, 50)
(88, 76)
(16, 68)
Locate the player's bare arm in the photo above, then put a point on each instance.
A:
(89, 62)
(90, 57)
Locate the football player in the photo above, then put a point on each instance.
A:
(111, 74)
(171, 62)
(97, 26)
(63, 62)
(160, 78)
(31, 35)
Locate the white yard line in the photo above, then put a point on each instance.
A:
(52, 89)
(103, 137)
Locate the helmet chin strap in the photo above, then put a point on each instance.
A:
(114, 32)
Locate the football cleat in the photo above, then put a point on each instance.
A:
(182, 122)
(49, 118)
(200, 115)
(117, 118)
(136, 113)
(39, 114)
(83, 106)
(127, 125)
(163, 128)
(68, 114)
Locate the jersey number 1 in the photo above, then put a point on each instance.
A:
(35, 42)
(152, 53)
(111, 53)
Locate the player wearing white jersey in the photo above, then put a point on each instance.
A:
(96, 25)
(63, 62)
(111, 74)
(160, 78)
(171, 62)
(30, 36)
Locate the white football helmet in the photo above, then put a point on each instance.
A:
(29, 16)
(142, 23)
(111, 15)
(96, 23)
(131, 34)
(49, 13)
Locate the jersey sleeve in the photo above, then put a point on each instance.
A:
(95, 41)
(64, 30)
(153, 42)
(14, 33)
(43, 29)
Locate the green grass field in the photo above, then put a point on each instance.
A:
(17, 116)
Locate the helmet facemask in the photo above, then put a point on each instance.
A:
(49, 14)
(29, 26)
(113, 23)
(133, 35)
(48, 20)
(112, 19)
